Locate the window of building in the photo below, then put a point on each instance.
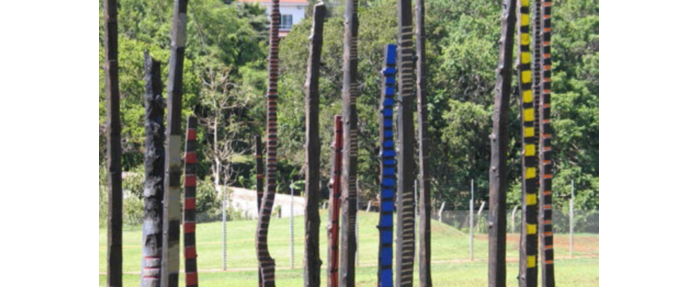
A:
(286, 22)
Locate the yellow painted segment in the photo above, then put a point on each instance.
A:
(531, 199)
(530, 172)
(526, 77)
(530, 229)
(525, 39)
(528, 115)
(529, 132)
(530, 150)
(525, 20)
(525, 58)
(531, 261)
(524, 3)
(528, 96)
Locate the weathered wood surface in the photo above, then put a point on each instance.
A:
(154, 185)
(115, 218)
(347, 263)
(405, 242)
(335, 205)
(312, 263)
(266, 262)
(259, 150)
(499, 141)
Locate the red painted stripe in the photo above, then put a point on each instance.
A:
(191, 134)
(192, 278)
(190, 203)
(190, 180)
(189, 227)
(190, 157)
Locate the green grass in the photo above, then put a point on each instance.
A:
(450, 255)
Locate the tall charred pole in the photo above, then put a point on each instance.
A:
(259, 149)
(335, 205)
(405, 243)
(173, 161)
(189, 212)
(499, 141)
(424, 176)
(115, 219)
(350, 153)
(154, 185)
(266, 262)
(312, 262)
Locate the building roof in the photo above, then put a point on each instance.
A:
(298, 2)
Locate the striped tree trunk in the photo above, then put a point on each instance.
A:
(154, 185)
(266, 263)
(528, 268)
(189, 212)
(424, 175)
(312, 262)
(404, 259)
(499, 140)
(335, 206)
(115, 218)
(388, 165)
(350, 151)
(546, 157)
(172, 205)
(259, 149)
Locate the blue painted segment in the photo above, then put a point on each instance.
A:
(388, 153)
(389, 91)
(391, 53)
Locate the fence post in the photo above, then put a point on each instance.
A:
(572, 221)
(291, 224)
(225, 207)
(368, 208)
(441, 211)
(513, 219)
(472, 220)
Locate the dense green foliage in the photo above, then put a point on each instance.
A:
(225, 63)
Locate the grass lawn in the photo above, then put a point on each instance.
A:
(450, 255)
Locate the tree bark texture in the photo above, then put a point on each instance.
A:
(259, 149)
(154, 185)
(266, 262)
(404, 259)
(115, 218)
(528, 267)
(388, 164)
(351, 150)
(546, 156)
(499, 141)
(312, 263)
(335, 205)
(424, 174)
(173, 150)
(189, 215)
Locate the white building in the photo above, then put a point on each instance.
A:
(292, 12)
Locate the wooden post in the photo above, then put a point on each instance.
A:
(546, 154)
(172, 211)
(572, 222)
(224, 221)
(312, 262)
(472, 220)
(189, 213)
(335, 205)
(266, 262)
(404, 259)
(351, 149)
(513, 219)
(116, 197)
(154, 175)
(290, 225)
(528, 253)
(259, 150)
(424, 175)
(499, 141)
(388, 164)
(441, 211)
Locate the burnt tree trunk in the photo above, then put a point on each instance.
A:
(499, 141)
(351, 150)
(115, 218)
(173, 161)
(189, 213)
(424, 174)
(546, 154)
(388, 165)
(312, 262)
(259, 150)
(404, 259)
(266, 263)
(528, 268)
(335, 205)
(153, 188)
